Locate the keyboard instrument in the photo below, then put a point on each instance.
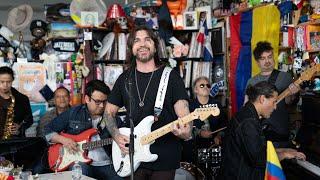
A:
(309, 166)
(307, 141)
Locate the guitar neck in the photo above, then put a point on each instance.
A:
(96, 144)
(287, 92)
(166, 129)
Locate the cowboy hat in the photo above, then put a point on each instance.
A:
(77, 6)
(19, 17)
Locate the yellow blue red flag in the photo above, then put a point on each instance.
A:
(273, 167)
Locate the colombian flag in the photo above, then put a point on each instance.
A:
(273, 167)
(246, 30)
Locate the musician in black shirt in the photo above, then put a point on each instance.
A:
(22, 115)
(145, 74)
(245, 145)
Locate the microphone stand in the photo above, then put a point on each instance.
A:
(131, 144)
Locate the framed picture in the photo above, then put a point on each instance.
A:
(89, 18)
(204, 13)
(190, 20)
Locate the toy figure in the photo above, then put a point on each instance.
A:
(38, 30)
(116, 18)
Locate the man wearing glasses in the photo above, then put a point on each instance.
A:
(277, 126)
(83, 117)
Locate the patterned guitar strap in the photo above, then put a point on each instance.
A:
(161, 94)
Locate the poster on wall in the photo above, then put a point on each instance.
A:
(38, 110)
(30, 78)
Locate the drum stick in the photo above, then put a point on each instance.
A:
(218, 130)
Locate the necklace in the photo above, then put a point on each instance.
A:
(141, 103)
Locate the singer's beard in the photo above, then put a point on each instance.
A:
(145, 58)
(142, 57)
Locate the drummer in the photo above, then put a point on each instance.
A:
(204, 136)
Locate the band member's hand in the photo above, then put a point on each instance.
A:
(293, 88)
(217, 140)
(182, 131)
(14, 129)
(70, 145)
(205, 133)
(288, 153)
(123, 142)
(295, 155)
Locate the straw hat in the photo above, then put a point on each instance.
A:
(77, 6)
(19, 17)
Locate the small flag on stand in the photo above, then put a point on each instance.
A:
(204, 40)
(273, 167)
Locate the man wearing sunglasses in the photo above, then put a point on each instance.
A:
(204, 137)
(80, 118)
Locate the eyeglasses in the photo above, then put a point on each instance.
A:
(98, 102)
(203, 85)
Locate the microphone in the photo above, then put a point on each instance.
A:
(131, 104)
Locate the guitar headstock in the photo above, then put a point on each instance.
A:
(308, 74)
(205, 111)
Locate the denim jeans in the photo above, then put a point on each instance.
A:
(99, 172)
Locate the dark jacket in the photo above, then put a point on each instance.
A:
(22, 111)
(244, 147)
(73, 121)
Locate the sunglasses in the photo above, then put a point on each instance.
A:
(98, 102)
(203, 85)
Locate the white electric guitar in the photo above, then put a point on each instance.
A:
(144, 138)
